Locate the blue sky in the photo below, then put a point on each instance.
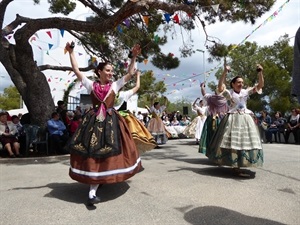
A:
(286, 22)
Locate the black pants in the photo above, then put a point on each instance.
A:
(295, 133)
(58, 142)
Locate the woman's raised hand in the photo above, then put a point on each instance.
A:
(136, 50)
(69, 47)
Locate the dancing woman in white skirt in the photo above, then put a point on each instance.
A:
(236, 142)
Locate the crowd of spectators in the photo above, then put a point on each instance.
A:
(63, 123)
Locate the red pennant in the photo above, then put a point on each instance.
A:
(49, 80)
(49, 33)
(176, 18)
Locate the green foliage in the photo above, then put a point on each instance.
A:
(149, 88)
(165, 62)
(62, 6)
(115, 44)
(178, 106)
(277, 61)
(10, 99)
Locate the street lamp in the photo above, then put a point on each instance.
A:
(200, 50)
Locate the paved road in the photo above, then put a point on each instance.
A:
(178, 186)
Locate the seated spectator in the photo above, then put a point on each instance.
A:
(25, 119)
(174, 122)
(166, 121)
(75, 123)
(21, 136)
(275, 128)
(184, 121)
(58, 133)
(293, 126)
(8, 137)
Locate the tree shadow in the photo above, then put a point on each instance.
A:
(212, 215)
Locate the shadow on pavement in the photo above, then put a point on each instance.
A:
(78, 192)
(201, 161)
(222, 172)
(212, 215)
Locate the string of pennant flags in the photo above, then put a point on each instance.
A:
(35, 40)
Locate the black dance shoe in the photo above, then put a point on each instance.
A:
(92, 201)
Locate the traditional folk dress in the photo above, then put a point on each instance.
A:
(194, 130)
(102, 148)
(156, 126)
(216, 109)
(143, 139)
(236, 142)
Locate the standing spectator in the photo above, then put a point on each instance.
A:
(146, 119)
(8, 138)
(140, 117)
(62, 112)
(293, 124)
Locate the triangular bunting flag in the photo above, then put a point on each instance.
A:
(156, 38)
(49, 80)
(145, 61)
(119, 28)
(49, 33)
(47, 52)
(62, 31)
(32, 39)
(36, 35)
(50, 46)
(167, 17)
(216, 7)
(127, 23)
(146, 19)
(176, 18)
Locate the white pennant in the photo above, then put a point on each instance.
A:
(215, 7)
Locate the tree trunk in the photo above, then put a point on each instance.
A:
(30, 82)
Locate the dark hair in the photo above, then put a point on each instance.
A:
(279, 113)
(101, 66)
(60, 102)
(155, 104)
(54, 114)
(14, 117)
(77, 117)
(234, 80)
(3, 113)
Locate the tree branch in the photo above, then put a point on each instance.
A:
(63, 68)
